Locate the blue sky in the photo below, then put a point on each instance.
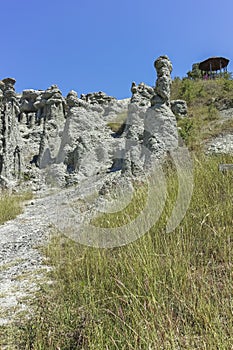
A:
(104, 45)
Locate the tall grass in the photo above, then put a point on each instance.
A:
(163, 291)
(11, 205)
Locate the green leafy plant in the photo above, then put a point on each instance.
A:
(185, 128)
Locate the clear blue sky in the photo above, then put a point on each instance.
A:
(105, 45)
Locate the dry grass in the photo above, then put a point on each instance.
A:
(117, 123)
(164, 291)
(11, 205)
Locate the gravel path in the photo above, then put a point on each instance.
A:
(19, 258)
(22, 265)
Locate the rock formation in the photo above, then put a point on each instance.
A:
(141, 94)
(68, 139)
(51, 107)
(85, 137)
(179, 108)
(163, 68)
(97, 98)
(160, 128)
(10, 140)
(151, 129)
(222, 144)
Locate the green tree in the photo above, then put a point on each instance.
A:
(195, 73)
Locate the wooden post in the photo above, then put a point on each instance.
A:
(210, 70)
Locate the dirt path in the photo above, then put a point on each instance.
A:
(19, 258)
(22, 265)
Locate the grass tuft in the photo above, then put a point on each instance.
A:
(11, 205)
(117, 123)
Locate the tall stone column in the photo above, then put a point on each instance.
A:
(10, 139)
(163, 68)
(151, 131)
(160, 127)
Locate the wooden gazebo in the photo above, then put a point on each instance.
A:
(213, 64)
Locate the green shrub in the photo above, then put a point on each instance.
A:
(200, 92)
(185, 128)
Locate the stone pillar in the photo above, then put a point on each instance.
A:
(163, 68)
(160, 128)
(10, 139)
(52, 103)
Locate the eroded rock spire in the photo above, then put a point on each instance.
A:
(163, 68)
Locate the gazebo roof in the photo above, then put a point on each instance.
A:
(216, 63)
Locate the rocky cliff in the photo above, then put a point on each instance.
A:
(46, 137)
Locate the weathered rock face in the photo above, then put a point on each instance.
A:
(163, 67)
(108, 106)
(133, 135)
(151, 130)
(141, 94)
(97, 98)
(31, 127)
(68, 139)
(179, 108)
(10, 140)
(222, 144)
(160, 132)
(134, 129)
(113, 109)
(51, 105)
(41, 116)
(85, 139)
(160, 128)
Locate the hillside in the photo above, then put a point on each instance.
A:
(128, 258)
(210, 111)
